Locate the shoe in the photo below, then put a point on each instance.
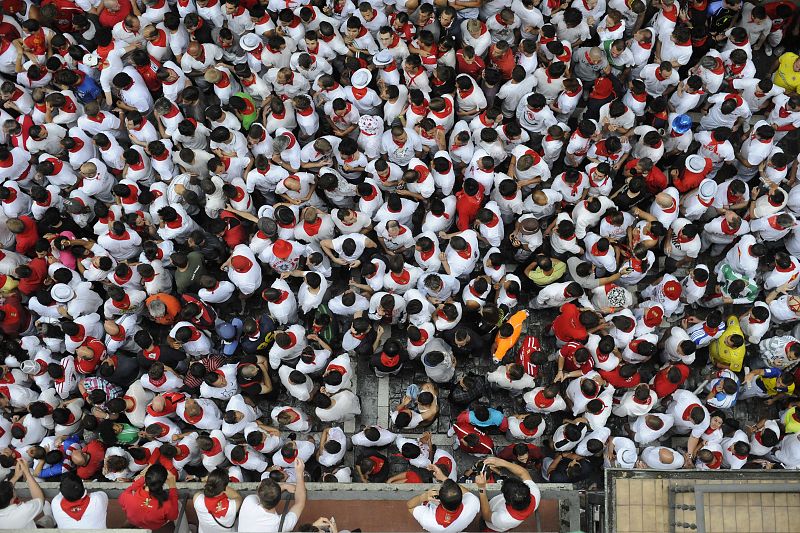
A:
(768, 50)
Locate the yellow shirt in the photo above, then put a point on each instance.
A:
(789, 423)
(786, 76)
(724, 354)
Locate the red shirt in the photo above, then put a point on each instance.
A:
(467, 208)
(26, 241)
(505, 63)
(144, 511)
(474, 69)
(235, 235)
(662, 386)
(567, 326)
(655, 180)
(109, 19)
(34, 282)
(148, 73)
(97, 452)
(17, 316)
(613, 377)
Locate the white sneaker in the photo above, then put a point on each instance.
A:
(779, 51)
(768, 50)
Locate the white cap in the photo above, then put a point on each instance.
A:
(250, 42)
(31, 367)
(627, 458)
(91, 60)
(707, 189)
(62, 293)
(383, 58)
(696, 163)
(361, 78)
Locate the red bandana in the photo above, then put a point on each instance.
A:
(76, 509)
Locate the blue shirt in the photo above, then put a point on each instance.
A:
(495, 419)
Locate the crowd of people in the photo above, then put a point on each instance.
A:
(218, 214)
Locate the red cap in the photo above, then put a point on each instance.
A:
(282, 249)
(241, 264)
(672, 290)
(653, 316)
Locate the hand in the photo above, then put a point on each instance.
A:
(480, 480)
(299, 467)
(749, 377)
(20, 470)
(431, 494)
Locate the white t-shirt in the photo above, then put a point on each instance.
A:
(20, 516)
(94, 517)
(206, 523)
(501, 519)
(259, 520)
(426, 515)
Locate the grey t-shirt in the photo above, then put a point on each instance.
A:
(587, 282)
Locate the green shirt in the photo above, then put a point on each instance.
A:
(727, 276)
(187, 280)
(247, 119)
(541, 278)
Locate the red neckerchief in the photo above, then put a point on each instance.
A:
(541, 401)
(389, 361)
(726, 228)
(522, 514)
(76, 509)
(217, 505)
(688, 411)
(445, 517)
(401, 279)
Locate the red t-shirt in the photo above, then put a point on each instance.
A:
(613, 377)
(26, 241)
(17, 316)
(656, 181)
(144, 511)
(662, 386)
(109, 19)
(33, 283)
(567, 326)
(467, 208)
(474, 69)
(97, 452)
(505, 63)
(233, 236)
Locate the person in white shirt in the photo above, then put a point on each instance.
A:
(259, 512)
(18, 515)
(75, 508)
(218, 506)
(518, 500)
(447, 509)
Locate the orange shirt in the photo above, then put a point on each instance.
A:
(504, 344)
(173, 308)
